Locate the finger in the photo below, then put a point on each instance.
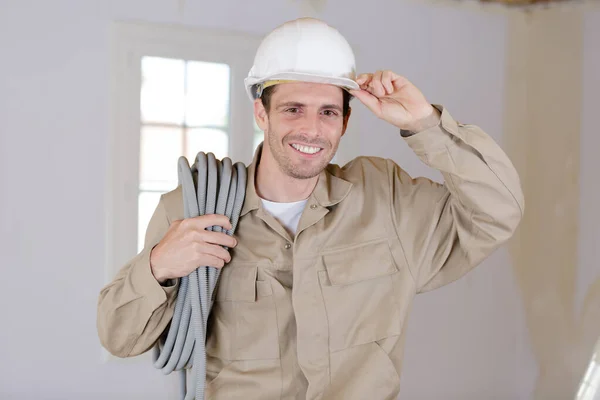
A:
(204, 221)
(370, 101)
(217, 238)
(375, 87)
(399, 81)
(212, 261)
(386, 80)
(216, 251)
(218, 220)
(364, 79)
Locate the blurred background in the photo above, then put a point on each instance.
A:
(99, 98)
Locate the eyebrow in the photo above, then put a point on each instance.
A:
(291, 104)
(331, 107)
(299, 105)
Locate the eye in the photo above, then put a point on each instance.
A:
(330, 113)
(292, 110)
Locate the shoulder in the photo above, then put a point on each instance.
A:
(359, 169)
(172, 202)
(372, 172)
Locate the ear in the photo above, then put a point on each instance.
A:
(260, 115)
(346, 118)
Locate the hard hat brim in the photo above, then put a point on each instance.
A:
(345, 83)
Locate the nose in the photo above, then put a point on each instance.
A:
(311, 125)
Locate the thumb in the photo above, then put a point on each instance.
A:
(368, 100)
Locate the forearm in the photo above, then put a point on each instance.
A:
(466, 219)
(134, 309)
(478, 174)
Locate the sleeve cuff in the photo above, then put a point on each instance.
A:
(147, 285)
(434, 138)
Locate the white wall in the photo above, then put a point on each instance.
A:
(463, 340)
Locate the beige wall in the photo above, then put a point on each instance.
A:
(545, 130)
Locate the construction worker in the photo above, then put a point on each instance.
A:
(320, 277)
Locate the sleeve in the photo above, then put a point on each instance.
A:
(446, 230)
(134, 309)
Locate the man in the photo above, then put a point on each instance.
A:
(326, 260)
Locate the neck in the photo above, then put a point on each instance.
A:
(274, 185)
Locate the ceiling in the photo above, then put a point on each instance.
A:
(523, 2)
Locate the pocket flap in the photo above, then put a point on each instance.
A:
(359, 263)
(237, 282)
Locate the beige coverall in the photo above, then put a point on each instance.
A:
(321, 315)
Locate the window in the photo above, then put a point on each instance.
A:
(175, 91)
(184, 109)
(589, 388)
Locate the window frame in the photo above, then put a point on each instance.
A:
(130, 41)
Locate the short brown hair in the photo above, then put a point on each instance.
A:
(265, 98)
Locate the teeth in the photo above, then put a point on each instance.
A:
(306, 149)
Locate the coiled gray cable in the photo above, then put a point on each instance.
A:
(209, 186)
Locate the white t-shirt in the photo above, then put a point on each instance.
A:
(288, 214)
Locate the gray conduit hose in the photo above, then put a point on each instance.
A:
(209, 186)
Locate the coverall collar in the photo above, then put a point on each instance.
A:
(329, 191)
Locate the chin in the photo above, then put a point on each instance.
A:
(305, 173)
(302, 176)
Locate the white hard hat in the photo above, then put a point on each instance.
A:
(306, 50)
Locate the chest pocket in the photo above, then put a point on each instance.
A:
(361, 301)
(243, 320)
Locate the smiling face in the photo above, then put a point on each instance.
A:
(303, 127)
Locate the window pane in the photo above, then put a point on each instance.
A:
(147, 202)
(160, 149)
(207, 140)
(163, 88)
(207, 94)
